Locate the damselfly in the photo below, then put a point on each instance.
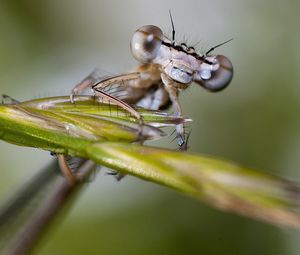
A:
(166, 68)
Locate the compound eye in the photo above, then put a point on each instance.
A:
(145, 43)
(216, 76)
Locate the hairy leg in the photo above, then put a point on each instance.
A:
(88, 82)
(173, 94)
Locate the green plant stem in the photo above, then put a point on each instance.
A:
(28, 235)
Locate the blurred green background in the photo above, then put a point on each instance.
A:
(48, 46)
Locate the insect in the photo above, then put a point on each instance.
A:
(166, 68)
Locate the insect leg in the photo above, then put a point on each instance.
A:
(86, 83)
(65, 169)
(120, 79)
(69, 167)
(173, 94)
(119, 102)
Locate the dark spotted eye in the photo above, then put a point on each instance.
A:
(217, 75)
(145, 43)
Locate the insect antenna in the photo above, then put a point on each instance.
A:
(213, 48)
(173, 28)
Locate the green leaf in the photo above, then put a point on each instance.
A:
(222, 184)
(59, 126)
(104, 134)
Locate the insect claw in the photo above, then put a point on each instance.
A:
(111, 172)
(180, 140)
(184, 147)
(118, 176)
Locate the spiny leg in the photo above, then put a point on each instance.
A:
(120, 103)
(98, 89)
(69, 167)
(173, 94)
(86, 83)
(95, 78)
(66, 170)
(75, 169)
(120, 79)
(185, 146)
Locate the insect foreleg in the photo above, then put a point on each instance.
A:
(173, 94)
(120, 79)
